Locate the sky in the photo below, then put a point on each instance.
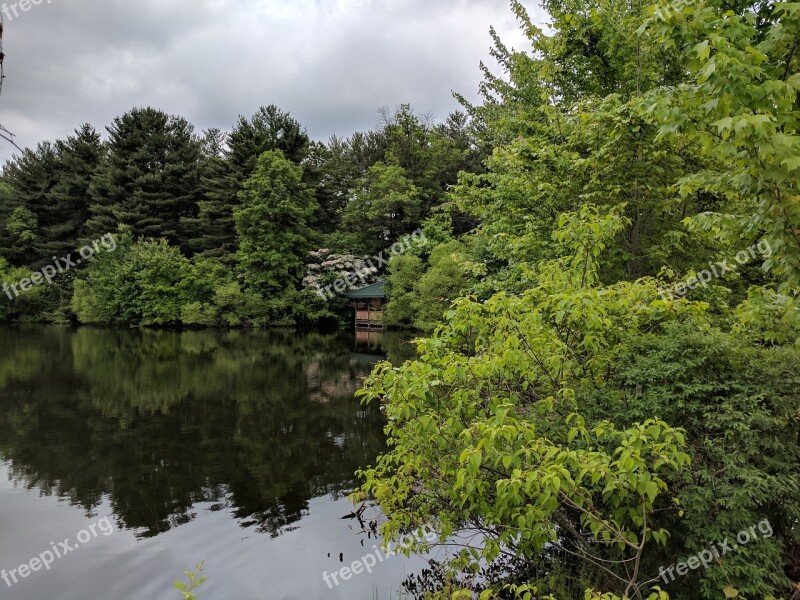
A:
(330, 63)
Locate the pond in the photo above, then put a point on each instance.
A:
(127, 457)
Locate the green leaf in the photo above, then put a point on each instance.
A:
(730, 591)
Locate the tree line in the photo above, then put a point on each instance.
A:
(215, 228)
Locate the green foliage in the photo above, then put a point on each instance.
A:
(770, 317)
(45, 199)
(30, 179)
(189, 588)
(150, 283)
(198, 314)
(575, 419)
(150, 178)
(230, 300)
(528, 592)
(228, 161)
(488, 420)
(380, 186)
(158, 179)
(17, 304)
(739, 406)
(138, 284)
(274, 232)
(79, 158)
(741, 105)
(571, 129)
(404, 274)
(421, 293)
(587, 429)
(389, 206)
(22, 225)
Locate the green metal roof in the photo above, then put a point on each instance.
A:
(371, 291)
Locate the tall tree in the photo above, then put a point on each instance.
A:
(387, 206)
(432, 156)
(742, 102)
(573, 128)
(31, 177)
(332, 175)
(269, 129)
(335, 170)
(79, 158)
(273, 226)
(6, 208)
(150, 179)
(205, 225)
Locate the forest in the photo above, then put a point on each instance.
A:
(608, 396)
(241, 228)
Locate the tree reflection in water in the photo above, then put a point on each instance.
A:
(257, 423)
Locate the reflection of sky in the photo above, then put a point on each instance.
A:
(240, 563)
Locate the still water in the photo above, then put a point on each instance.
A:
(137, 454)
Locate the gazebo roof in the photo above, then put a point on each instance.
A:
(371, 291)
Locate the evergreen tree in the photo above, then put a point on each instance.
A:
(269, 129)
(31, 177)
(150, 179)
(330, 174)
(366, 149)
(336, 170)
(79, 157)
(6, 208)
(205, 225)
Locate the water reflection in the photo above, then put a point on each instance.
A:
(257, 423)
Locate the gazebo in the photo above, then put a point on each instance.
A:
(369, 303)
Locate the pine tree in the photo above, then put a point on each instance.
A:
(31, 177)
(224, 176)
(150, 179)
(79, 157)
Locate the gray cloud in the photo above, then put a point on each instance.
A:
(331, 63)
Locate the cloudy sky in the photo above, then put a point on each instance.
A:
(331, 63)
